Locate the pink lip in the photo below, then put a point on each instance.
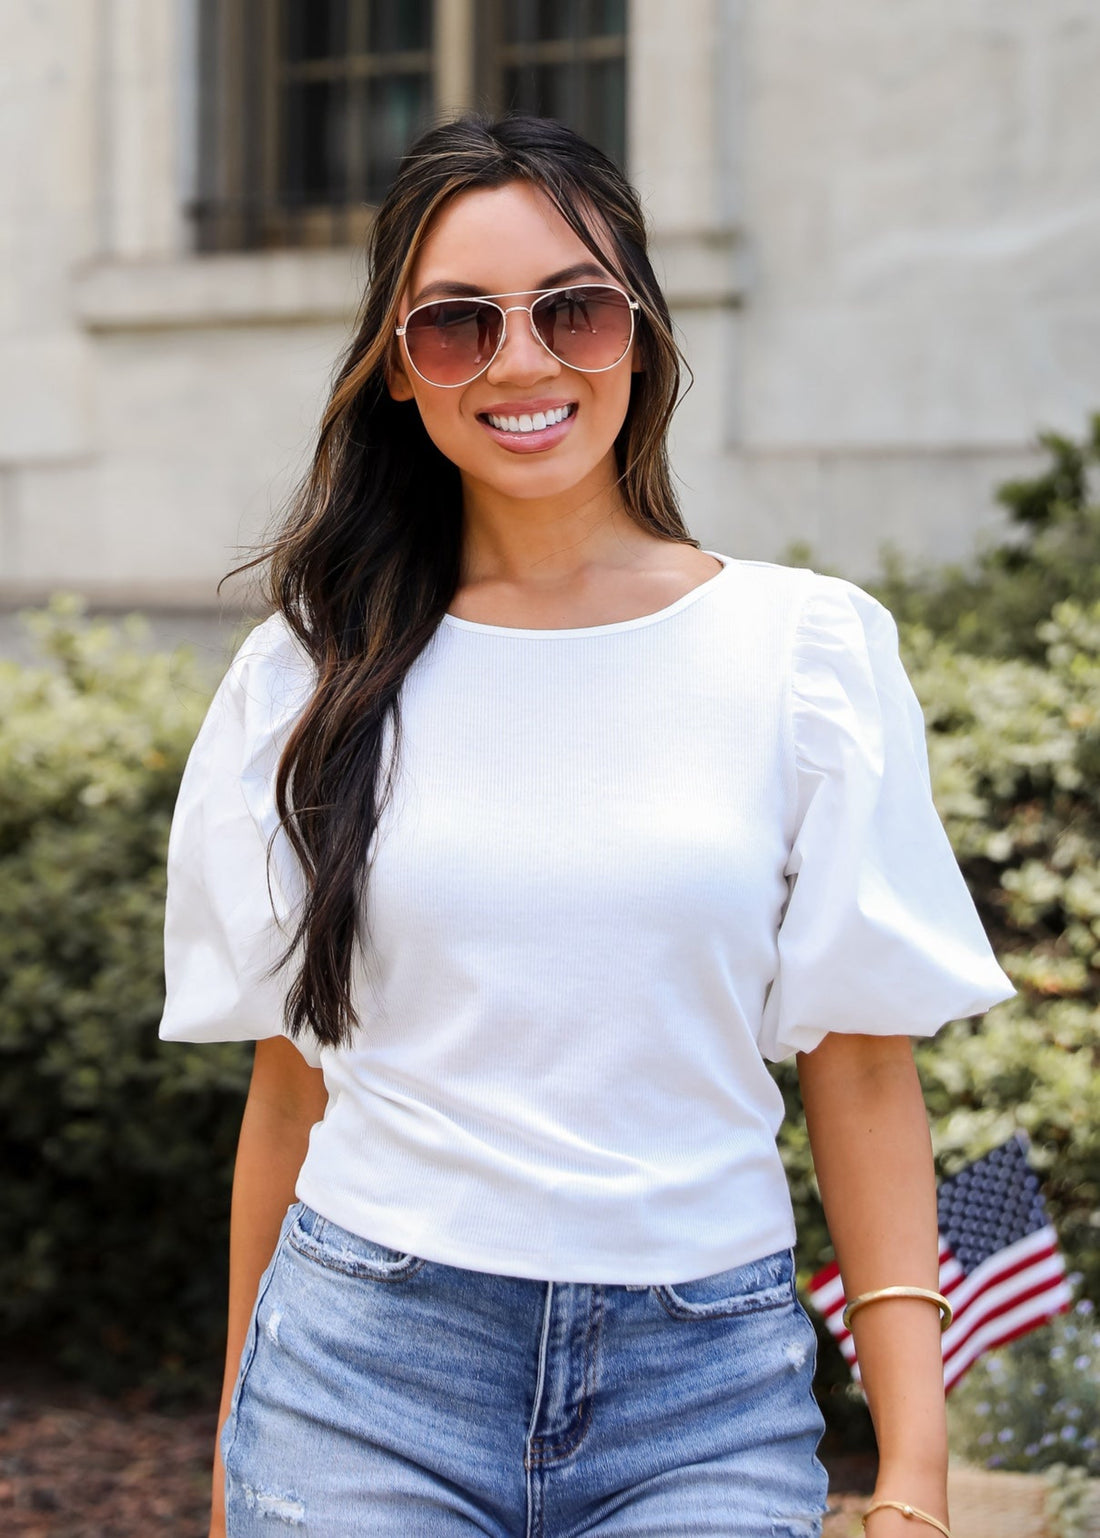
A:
(538, 439)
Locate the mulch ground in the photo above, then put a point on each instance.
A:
(74, 1464)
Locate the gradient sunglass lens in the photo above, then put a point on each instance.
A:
(452, 341)
(588, 328)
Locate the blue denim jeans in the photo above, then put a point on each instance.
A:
(387, 1395)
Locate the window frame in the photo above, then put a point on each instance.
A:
(496, 54)
(240, 202)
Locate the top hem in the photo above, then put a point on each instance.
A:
(624, 1270)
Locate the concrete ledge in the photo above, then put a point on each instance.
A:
(701, 269)
(186, 598)
(239, 289)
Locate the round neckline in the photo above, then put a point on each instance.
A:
(563, 632)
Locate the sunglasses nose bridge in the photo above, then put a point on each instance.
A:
(544, 352)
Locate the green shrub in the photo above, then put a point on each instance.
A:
(1035, 1404)
(116, 1149)
(1052, 555)
(1012, 749)
(1006, 663)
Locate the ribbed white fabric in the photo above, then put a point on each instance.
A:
(623, 865)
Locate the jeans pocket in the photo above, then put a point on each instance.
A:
(746, 1289)
(337, 1249)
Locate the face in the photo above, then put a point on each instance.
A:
(512, 241)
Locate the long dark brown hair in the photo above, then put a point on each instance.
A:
(368, 557)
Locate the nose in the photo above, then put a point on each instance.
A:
(522, 358)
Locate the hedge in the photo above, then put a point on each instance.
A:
(119, 1149)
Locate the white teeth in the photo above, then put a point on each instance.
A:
(529, 424)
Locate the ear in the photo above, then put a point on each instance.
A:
(636, 364)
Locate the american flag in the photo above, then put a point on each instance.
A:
(1000, 1266)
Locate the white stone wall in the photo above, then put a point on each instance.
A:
(879, 226)
(922, 213)
(154, 406)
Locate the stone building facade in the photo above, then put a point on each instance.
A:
(879, 227)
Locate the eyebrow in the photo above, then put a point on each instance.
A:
(447, 288)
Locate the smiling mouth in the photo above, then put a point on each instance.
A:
(535, 422)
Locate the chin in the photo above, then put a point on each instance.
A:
(532, 477)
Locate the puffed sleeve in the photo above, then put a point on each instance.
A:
(879, 934)
(229, 911)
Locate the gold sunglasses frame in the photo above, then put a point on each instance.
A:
(505, 311)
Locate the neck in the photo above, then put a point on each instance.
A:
(510, 539)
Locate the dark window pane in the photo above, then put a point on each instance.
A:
(561, 59)
(519, 91)
(314, 139)
(547, 90)
(397, 25)
(608, 18)
(558, 91)
(536, 21)
(604, 113)
(519, 20)
(400, 106)
(553, 21)
(314, 29)
(589, 97)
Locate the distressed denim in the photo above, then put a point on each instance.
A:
(387, 1395)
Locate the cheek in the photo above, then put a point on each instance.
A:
(617, 400)
(442, 421)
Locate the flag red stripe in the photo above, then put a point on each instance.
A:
(831, 1271)
(1020, 1286)
(976, 1315)
(976, 1310)
(824, 1276)
(985, 1280)
(964, 1359)
(992, 1291)
(1005, 1272)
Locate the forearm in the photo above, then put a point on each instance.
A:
(269, 1156)
(272, 1145)
(872, 1154)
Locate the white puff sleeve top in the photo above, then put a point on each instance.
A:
(879, 934)
(623, 865)
(229, 909)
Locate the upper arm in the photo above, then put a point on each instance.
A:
(845, 1068)
(284, 1085)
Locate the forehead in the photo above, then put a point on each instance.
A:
(499, 240)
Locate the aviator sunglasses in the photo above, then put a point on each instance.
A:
(588, 326)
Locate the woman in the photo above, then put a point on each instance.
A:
(518, 838)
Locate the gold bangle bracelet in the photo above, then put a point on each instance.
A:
(907, 1511)
(899, 1292)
